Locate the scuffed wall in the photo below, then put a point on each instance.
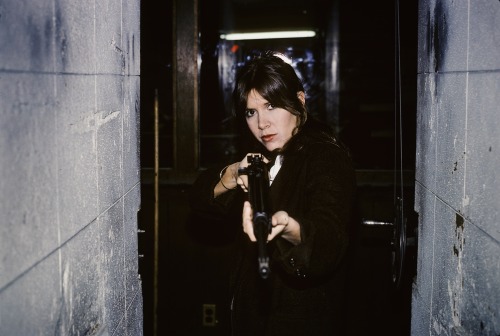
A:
(457, 289)
(69, 167)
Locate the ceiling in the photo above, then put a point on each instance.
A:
(263, 15)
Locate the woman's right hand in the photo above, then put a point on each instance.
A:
(242, 180)
(230, 179)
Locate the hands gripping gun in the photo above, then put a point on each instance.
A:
(258, 195)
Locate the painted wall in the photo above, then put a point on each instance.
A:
(69, 167)
(457, 289)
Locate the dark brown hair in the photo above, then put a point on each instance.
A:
(275, 80)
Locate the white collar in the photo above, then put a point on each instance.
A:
(275, 169)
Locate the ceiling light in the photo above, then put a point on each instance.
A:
(268, 35)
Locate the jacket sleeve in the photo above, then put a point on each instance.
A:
(327, 186)
(201, 197)
(213, 218)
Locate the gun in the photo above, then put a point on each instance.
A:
(258, 195)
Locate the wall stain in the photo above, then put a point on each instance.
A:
(459, 223)
(455, 250)
(120, 52)
(93, 329)
(61, 37)
(439, 31)
(133, 46)
(40, 37)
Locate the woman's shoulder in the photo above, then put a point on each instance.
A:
(324, 152)
(318, 138)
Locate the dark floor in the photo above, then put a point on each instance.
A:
(193, 274)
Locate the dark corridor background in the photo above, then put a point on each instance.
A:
(193, 272)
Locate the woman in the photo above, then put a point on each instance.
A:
(311, 194)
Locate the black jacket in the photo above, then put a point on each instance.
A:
(303, 295)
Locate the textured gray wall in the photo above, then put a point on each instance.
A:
(69, 167)
(457, 289)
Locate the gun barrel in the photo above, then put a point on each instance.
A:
(258, 195)
(264, 268)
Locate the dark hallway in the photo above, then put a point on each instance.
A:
(349, 69)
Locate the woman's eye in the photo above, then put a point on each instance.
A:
(270, 107)
(249, 113)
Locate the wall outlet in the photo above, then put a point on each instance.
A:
(208, 315)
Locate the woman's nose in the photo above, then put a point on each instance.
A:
(263, 122)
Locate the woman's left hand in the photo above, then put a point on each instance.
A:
(282, 225)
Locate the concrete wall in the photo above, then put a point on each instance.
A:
(69, 167)
(457, 289)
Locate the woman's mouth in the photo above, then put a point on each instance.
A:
(268, 138)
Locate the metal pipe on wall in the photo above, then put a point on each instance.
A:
(156, 213)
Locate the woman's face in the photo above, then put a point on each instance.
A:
(271, 126)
